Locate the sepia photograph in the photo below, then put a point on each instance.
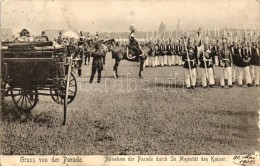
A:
(141, 77)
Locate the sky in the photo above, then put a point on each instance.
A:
(116, 16)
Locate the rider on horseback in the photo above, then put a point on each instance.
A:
(135, 49)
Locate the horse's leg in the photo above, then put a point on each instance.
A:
(85, 58)
(141, 68)
(115, 68)
(88, 59)
(79, 66)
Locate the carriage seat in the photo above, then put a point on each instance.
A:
(30, 49)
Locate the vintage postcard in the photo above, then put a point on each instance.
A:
(142, 82)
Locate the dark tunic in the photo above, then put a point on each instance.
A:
(97, 60)
(209, 59)
(255, 56)
(169, 49)
(245, 52)
(163, 49)
(157, 49)
(192, 52)
(226, 56)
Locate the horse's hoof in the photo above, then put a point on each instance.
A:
(141, 77)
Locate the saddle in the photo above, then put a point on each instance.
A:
(133, 51)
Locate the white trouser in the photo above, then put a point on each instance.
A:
(173, 59)
(176, 59)
(179, 60)
(252, 72)
(169, 60)
(147, 61)
(210, 77)
(156, 60)
(234, 70)
(165, 60)
(256, 72)
(190, 79)
(162, 60)
(241, 72)
(226, 73)
(153, 61)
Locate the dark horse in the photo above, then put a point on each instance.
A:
(120, 52)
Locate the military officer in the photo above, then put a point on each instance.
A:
(97, 63)
(162, 54)
(59, 39)
(169, 53)
(190, 59)
(81, 37)
(206, 64)
(243, 69)
(226, 63)
(179, 53)
(157, 52)
(255, 62)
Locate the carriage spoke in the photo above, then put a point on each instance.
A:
(29, 100)
(25, 101)
(22, 102)
(19, 99)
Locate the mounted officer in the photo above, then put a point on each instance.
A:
(135, 49)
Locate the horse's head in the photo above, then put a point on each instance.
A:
(150, 46)
(103, 48)
(109, 43)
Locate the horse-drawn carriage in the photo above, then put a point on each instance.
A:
(30, 69)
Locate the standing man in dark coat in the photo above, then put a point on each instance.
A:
(97, 63)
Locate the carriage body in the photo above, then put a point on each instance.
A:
(33, 64)
(30, 69)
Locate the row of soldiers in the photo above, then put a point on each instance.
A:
(238, 60)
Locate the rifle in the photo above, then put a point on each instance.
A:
(205, 64)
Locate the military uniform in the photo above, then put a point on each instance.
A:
(134, 45)
(243, 66)
(59, 39)
(165, 62)
(161, 58)
(97, 64)
(226, 63)
(157, 53)
(206, 64)
(169, 53)
(255, 62)
(191, 60)
(179, 54)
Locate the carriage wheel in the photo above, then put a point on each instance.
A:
(58, 94)
(3, 88)
(24, 99)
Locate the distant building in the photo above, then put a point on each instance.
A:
(161, 30)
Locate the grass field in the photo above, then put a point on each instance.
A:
(133, 116)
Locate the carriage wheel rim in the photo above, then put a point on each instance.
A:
(56, 93)
(24, 101)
